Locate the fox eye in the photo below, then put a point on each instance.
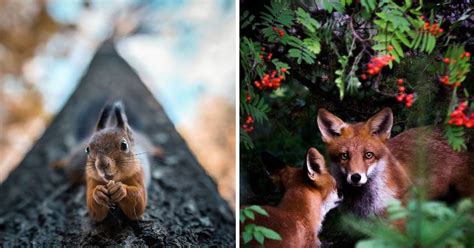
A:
(369, 155)
(123, 145)
(345, 156)
(87, 150)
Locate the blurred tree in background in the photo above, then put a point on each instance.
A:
(24, 27)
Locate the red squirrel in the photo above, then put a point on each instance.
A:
(309, 193)
(114, 163)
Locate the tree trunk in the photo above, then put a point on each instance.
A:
(39, 207)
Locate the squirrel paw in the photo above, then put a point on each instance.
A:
(100, 195)
(117, 191)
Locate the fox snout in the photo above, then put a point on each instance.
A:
(356, 179)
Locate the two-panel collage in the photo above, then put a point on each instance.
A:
(237, 123)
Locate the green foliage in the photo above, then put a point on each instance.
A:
(340, 77)
(253, 231)
(426, 223)
(455, 136)
(395, 26)
(257, 108)
(327, 52)
(369, 5)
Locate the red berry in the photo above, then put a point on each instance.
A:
(371, 71)
(401, 89)
(468, 54)
(446, 61)
(469, 124)
(433, 28)
(400, 81)
(283, 70)
(390, 48)
(275, 28)
(363, 76)
(400, 97)
(427, 26)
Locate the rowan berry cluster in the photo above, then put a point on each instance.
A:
(445, 79)
(280, 31)
(403, 96)
(248, 126)
(459, 118)
(270, 81)
(264, 56)
(434, 29)
(376, 64)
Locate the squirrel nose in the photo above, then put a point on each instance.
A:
(355, 177)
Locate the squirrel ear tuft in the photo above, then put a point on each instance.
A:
(104, 116)
(122, 121)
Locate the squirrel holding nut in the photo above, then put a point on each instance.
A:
(115, 166)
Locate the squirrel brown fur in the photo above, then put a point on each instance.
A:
(114, 164)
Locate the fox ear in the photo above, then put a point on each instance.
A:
(329, 125)
(314, 163)
(381, 123)
(104, 116)
(272, 164)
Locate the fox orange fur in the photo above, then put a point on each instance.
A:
(372, 169)
(309, 193)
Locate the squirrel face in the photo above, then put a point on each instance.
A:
(109, 152)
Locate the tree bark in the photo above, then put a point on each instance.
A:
(39, 207)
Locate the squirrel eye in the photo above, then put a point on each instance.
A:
(88, 150)
(345, 156)
(369, 155)
(123, 145)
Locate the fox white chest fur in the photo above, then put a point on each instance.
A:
(368, 199)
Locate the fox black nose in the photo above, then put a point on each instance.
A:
(355, 177)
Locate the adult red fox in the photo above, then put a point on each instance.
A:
(372, 169)
(309, 193)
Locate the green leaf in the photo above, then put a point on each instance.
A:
(307, 21)
(247, 236)
(270, 234)
(295, 53)
(258, 209)
(424, 42)
(259, 237)
(397, 47)
(455, 136)
(403, 39)
(246, 140)
(431, 43)
(313, 45)
(340, 84)
(249, 213)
